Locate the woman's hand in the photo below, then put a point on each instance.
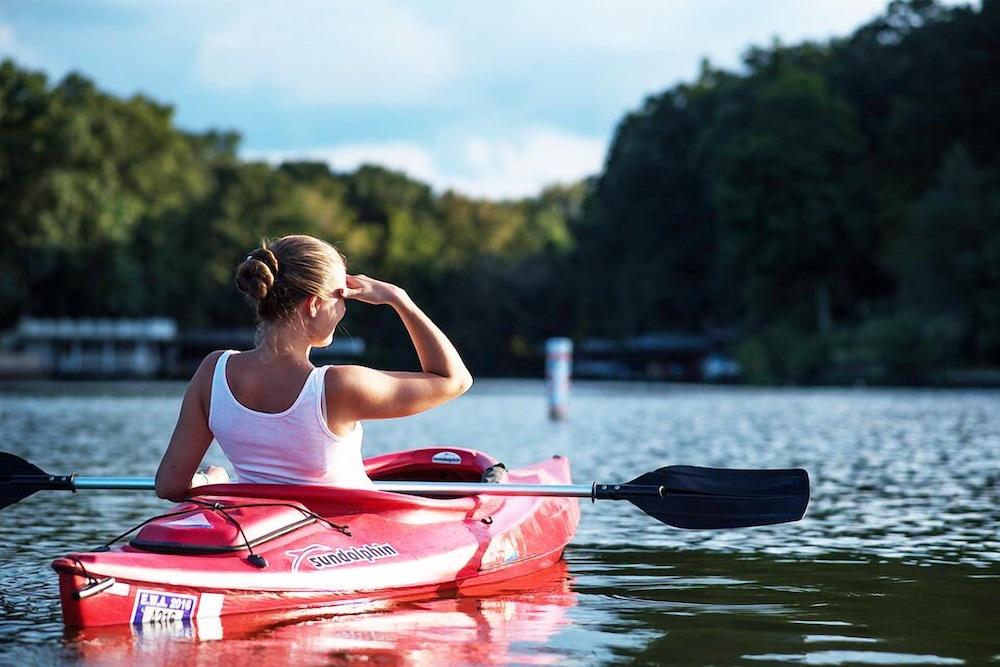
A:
(368, 290)
(356, 392)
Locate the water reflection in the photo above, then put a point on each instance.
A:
(512, 624)
(712, 608)
(897, 561)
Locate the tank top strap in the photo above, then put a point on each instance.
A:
(219, 392)
(318, 380)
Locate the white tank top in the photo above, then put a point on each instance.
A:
(295, 446)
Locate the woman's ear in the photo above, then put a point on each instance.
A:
(313, 305)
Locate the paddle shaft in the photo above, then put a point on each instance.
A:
(593, 491)
(677, 495)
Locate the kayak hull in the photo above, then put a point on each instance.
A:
(490, 626)
(239, 549)
(130, 602)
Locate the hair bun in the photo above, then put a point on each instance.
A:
(269, 259)
(256, 275)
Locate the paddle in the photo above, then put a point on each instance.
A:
(680, 496)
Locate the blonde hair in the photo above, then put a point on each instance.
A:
(277, 276)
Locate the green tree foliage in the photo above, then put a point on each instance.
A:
(948, 255)
(833, 208)
(790, 198)
(808, 204)
(646, 242)
(83, 171)
(115, 212)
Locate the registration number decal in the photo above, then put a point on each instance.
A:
(162, 607)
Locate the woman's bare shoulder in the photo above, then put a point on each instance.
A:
(340, 390)
(343, 377)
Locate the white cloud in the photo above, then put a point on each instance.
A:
(491, 100)
(328, 53)
(594, 52)
(528, 161)
(516, 166)
(12, 47)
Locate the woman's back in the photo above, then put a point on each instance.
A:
(291, 445)
(277, 418)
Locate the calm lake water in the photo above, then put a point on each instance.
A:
(896, 562)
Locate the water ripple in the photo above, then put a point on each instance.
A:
(896, 562)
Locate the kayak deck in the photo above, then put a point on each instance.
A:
(241, 548)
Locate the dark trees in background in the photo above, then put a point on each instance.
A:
(836, 204)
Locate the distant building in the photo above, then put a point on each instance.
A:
(96, 347)
(127, 348)
(662, 355)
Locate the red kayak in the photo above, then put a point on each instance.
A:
(242, 548)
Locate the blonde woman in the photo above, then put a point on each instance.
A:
(278, 418)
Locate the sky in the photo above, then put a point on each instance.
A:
(492, 99)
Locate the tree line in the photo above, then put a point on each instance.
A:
(833, 207)
(829, 211)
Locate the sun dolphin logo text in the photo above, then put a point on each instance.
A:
(321, 556)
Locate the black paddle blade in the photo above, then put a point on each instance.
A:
(696, 497)
(13, 485)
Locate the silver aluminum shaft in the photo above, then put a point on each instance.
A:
(420, 488)
(468, 488)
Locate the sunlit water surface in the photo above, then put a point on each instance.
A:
(897, 561)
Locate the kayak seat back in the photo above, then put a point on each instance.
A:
(220, 525)
(430, 464)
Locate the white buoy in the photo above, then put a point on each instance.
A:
(558, 368)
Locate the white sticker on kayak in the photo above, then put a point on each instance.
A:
(446, 457)
(198, 520)
(120, 589)
(321, 557)
(162, 607)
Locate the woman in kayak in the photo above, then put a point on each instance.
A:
(279, 419)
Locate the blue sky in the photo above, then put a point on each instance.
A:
(491, 99)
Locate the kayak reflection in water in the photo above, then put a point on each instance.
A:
(279, 419)
(498, 625)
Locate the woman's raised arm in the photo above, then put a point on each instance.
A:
(357, 392)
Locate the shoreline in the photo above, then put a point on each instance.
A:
(962, 382)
